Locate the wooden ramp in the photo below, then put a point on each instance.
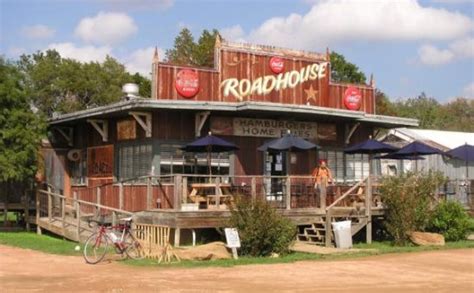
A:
(69, 218)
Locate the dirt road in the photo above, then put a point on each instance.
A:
(437, 271)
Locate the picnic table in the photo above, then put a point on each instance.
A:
(210, 194)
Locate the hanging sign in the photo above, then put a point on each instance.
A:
(276, 65)
(187, 83)
(352, 98)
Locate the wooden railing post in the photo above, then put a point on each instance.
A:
(218, 192)
(63, 214)
(253, 184)
(184, 189)
(178, 181)
(328, 235)
(148, 193)
(50, 205)
(368, 209)
(114, 218)
(38, 228)
(121, 196)
(97, 209)
(74, 197)
(78, 220)
(322, 194)
(288, 193)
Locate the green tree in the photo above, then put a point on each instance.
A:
(426, 109)
(344, 71)
(458, 115)
(20, 129)
(63, 85)
(186, 51)
(383, 105)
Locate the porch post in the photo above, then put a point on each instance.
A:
(178, 181)
(149, 194)
(50, 205)
(288, 192)
(121, 196)
(253, 184)
(368, 209)
(97, 208)
(322, 195)
(218, 192)
(38, 228)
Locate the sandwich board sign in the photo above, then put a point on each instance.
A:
(233, 240)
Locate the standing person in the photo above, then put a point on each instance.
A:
(322, 177)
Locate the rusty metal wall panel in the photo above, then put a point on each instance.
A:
(241, 64)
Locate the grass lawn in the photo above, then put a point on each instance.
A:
(55, 245)
(45, 243)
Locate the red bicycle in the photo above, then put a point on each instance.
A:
(121, 237)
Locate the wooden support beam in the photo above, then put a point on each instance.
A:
(144, 119)
(27, 212)
(67, 133)
(177, 235)
(200, 119)
(102, 127)
(322, 195)
(218, 192)
(97, 207)
(50, 205)
(351, 132)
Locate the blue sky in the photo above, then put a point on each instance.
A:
(409, 45)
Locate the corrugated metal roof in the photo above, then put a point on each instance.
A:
(447, 139)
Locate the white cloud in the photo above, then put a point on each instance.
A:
(106, 28)
(139, 4)
(140, 60)
(459, 49)
(468, 91)
(83, 54)
(234, 33)
(38, 31)
(430, 55)
(335, 21)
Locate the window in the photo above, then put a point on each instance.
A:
(346, 167)
(175, 161)
(134, 159)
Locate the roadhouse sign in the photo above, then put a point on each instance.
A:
(268, 83)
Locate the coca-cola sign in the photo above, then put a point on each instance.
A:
(352, 98)
(187, 83)
(277, 65)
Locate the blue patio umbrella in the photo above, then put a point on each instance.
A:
(210, 144)
(413, 150)
(464, 152)
(370, 147)
(288, 142)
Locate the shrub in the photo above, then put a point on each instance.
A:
(408, 199)
(450, 219)
(261, 230)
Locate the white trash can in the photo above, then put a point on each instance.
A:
(343, 234)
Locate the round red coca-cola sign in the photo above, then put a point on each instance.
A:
(277, 65)
(352, 98)
(187, 83)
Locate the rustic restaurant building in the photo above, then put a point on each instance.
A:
(253, 94)
(127, 157)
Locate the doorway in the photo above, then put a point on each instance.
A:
(276, 166)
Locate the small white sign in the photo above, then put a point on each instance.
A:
(232, 237)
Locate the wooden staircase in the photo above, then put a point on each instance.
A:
(316, 232)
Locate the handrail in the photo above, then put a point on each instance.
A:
(346, 193)
(86, 202)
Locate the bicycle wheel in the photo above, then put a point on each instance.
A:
(133, 248)
(96, 248)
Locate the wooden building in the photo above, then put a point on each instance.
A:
(251, 95)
